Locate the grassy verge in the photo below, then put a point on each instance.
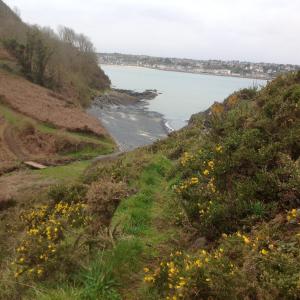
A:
(67, 173)
(145, 229)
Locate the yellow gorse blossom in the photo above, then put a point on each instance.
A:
(264, 252)
(194, 180)
(206, 172)
(44, 230)
(211, 164)
(219, 148)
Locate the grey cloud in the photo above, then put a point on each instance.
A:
(256, 30)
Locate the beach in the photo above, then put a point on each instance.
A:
(131, 125)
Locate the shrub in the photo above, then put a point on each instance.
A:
(103, 198)
(39, 252)
(67, 193)
(246, 168)
(262, 265)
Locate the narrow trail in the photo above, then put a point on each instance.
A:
(111, 156)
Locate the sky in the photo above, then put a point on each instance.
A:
(245, 30)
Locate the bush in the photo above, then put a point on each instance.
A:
(262, 265)
(103, 198)
(246, 168)
(68, 193)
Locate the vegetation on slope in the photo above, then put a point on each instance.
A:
(65, 61)
(212, 212)
(23, 138)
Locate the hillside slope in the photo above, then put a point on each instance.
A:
(63, 61)
(43, 105)
(211, 212)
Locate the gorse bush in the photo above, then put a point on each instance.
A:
(247, 167)
(263, 265)
(244, 172)
(46, 226)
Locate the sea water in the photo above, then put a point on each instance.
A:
(181, 94)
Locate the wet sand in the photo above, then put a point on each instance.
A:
(132, 125)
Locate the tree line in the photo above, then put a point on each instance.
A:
(64, 61)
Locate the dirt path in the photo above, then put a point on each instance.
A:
(108, 156)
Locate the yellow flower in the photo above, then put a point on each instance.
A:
(198, 263)
(219, 148)
(264, 252)
(21, 260)
(194, 180)
(149, 278)
(206, 172)
(40, 271)
(246, 240)
(211, 164)
(146, 270)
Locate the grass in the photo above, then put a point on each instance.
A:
(66, 173)
(117, 273)
(139, 217)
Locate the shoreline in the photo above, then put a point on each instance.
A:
(196, 73)
(131, 125)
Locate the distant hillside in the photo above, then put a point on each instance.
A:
(11, 26)
(63, 61)
(7, 13)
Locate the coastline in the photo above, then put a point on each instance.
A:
(196, 73)
(131, 125)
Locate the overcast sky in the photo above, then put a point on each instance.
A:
(252, 30)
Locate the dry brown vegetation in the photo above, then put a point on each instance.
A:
(40, 104)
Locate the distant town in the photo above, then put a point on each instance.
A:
(233, 68)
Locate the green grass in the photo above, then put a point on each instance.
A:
(139, 219)
(66, 173)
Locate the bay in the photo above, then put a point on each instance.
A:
(182, 94)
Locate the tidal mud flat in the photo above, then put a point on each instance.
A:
(126, 117)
